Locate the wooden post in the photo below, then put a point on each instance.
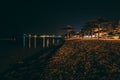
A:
(29, 42)
(53, 41)
(43, 42)
(48, 42)
(35, 36)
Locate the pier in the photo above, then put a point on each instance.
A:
(36, 41)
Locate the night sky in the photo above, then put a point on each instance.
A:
(50, 16)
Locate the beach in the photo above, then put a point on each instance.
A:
(74, 60)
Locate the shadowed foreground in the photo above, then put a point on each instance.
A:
(75, 60)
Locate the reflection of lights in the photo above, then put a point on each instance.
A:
(59, 36)
(35, 36)
(24, 34)
(42, 36)
(43, 42)
(53, 41)
(51, 36)
(86, 36)
(29, 35)
(29, 40)
(46, 40)
(24, 40)
(47, 36)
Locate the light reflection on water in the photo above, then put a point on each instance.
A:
(40, 42)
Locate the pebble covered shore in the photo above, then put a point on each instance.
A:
(74, 60)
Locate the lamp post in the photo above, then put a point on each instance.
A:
(48, 42)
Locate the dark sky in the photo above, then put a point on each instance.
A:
(50, 16)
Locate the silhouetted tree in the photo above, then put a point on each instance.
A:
(69, 30)
(96, 23)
